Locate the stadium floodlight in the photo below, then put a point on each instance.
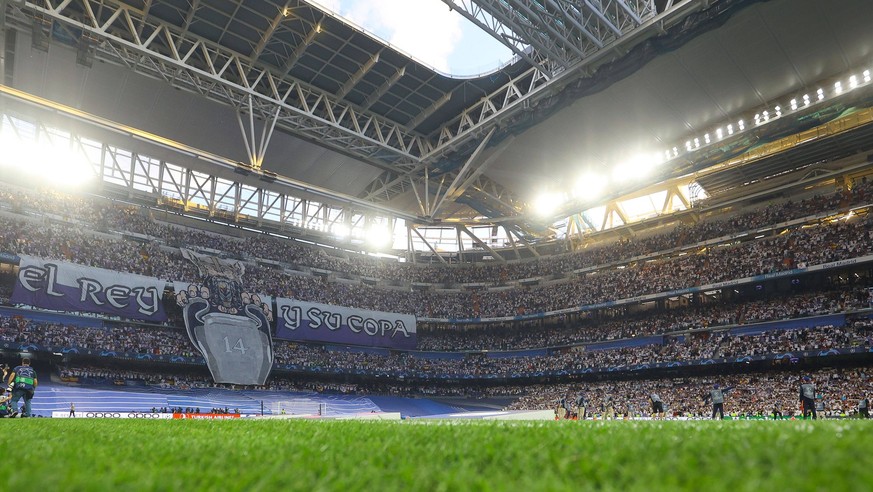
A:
(688, 146)
(590, 186)
(778, 111)
(696, 143)
(719, 133)
(730, 129)
(742, 125)
(866, 75)
(547, 203)
(838, 87)
(706, 138)
(638, 166)
(806, 99)
(341, 231)
(56, 163)
(820, 93)
(766, 115)
(675, 152)
(853, 81)
(793, 104)
(379, 236)
(758, 119)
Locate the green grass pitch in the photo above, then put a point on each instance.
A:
(60, 455)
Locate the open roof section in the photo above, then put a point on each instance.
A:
(428, 31)
(309, 44)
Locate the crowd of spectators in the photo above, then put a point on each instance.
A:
(590, 328)
(105, 216)
(187, 380)
(308, 358)
(839, 390)
(118, 339)
(826, 242)
(758, 394)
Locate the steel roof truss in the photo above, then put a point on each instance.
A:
(304, 110)
(470, 10)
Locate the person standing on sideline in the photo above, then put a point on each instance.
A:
(580, 406)
(23, 382)
(807, 398)
(864, 407)
(717, 397)
(72, 410)
(657, 406)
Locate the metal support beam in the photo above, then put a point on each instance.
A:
(192, 63)
(354, 79)
(528, 25)
(3, 41)
(431, 248)
(559, 42)
(419, 119)
(525, 243)
(512, 242)
(301, 48)
(383, 89)
(482, 243)
(265, 37)
(470, 10)
(189, 17)
(187, 188)
(454, 186)
(495, 154)
(525, 90)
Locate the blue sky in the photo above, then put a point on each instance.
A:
(428, 30)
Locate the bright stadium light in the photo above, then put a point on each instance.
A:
(56, 163)
(547, 203)
(638, 166)
(853, 81)
(65, 167)
(341, 231)
(838, 87)
(590, 186)
(820, 94)
(866, 75)
(379, 236)
(794, 104)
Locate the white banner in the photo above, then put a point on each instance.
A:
(311, 321)
(65, 286)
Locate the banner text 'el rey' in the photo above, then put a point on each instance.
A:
(311, 321)
(66, 286)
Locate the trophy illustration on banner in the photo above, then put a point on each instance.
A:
(230, 327)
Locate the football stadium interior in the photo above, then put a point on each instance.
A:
(228, 208)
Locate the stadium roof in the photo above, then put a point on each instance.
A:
(594, 83)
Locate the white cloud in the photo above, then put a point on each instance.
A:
(426, 29)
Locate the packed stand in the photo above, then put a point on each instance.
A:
(839, 390)
(314, 358)
(107, 217)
